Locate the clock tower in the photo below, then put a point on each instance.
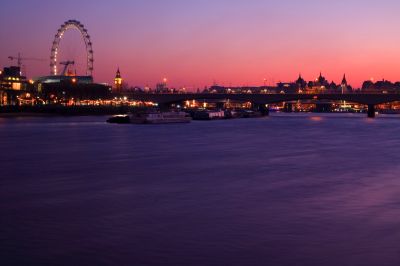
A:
(118, 81)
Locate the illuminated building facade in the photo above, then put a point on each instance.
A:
(11, 79)
(12, 84)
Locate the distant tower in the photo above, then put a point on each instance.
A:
(118, 81)
(321, 79)
(343, 85)
(301, 83)
(344, 81)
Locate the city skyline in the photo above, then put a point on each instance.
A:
(228, 42)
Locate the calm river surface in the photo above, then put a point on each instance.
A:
(283, 190)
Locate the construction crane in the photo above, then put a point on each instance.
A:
(20, 59)
(66, 64)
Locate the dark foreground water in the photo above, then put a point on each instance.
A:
(283, 190)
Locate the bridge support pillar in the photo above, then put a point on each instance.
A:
(371, 110)
(164, 106)
(263, 109)
(288, 108)
(220, 105)
(323, 108)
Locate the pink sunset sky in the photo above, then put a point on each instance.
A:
(194, 43)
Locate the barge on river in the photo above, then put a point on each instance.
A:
(151, 118)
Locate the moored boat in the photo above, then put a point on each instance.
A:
(119, 119)
(152, 118)
(164, 118)
(208, 115)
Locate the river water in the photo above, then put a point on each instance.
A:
(283, 190)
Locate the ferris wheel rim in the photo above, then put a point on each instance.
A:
(72, 24)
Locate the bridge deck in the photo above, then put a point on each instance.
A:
(367, 99)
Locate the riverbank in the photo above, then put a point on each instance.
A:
(49, 110)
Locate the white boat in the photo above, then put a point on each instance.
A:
(160, 118)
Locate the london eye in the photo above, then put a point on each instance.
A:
(71, 24)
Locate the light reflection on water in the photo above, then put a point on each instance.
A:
(316, 118)
(291, 189)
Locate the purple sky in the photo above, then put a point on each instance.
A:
(196, 42)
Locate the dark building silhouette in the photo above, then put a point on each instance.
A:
(301, 83)
(66, 90)
(383, 86)
(319, 85)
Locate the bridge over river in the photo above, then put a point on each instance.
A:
(371, 100)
